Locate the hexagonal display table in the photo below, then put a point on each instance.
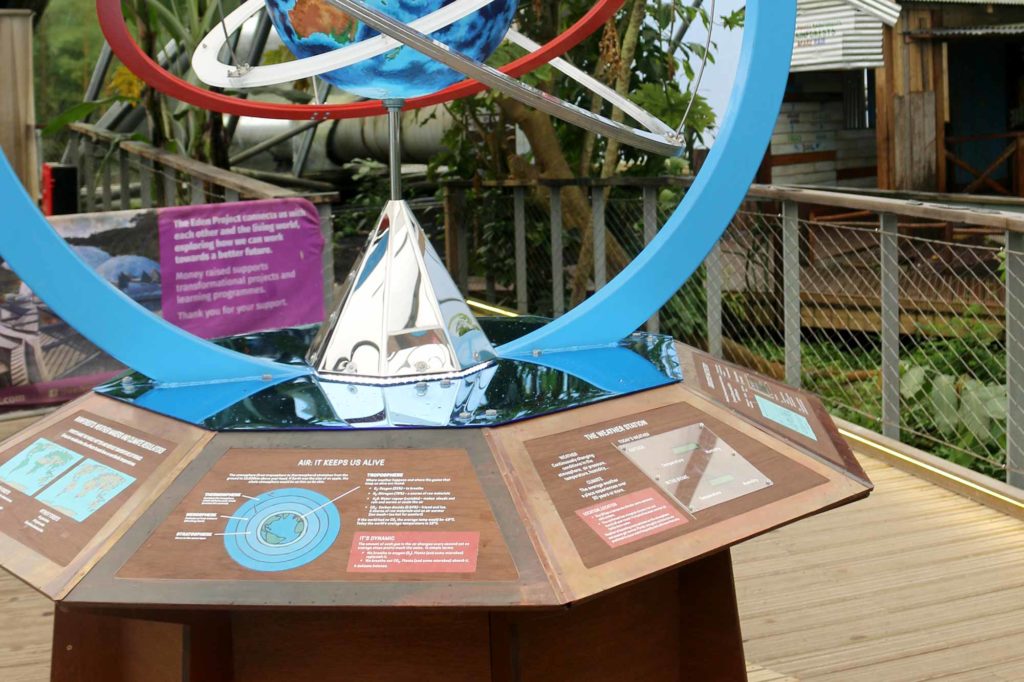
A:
(590, 544)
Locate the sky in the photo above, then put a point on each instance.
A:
(718, 78)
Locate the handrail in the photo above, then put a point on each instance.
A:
(195, 170)
(1011, 221)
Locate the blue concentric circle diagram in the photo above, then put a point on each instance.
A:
(281, 529)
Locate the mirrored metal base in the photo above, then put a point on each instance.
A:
(504, 391)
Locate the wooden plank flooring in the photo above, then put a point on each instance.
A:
(915, 583)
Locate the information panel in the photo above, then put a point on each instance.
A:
(58, 488)
(626, 485)
(343, 515)
(695, 466)
(792, 413)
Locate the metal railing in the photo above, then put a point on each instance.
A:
(153, 177)
(906, 316)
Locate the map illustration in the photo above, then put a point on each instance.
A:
(281, 529)
(36, 466)
(85, 489)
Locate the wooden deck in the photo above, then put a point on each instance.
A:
(915, 583)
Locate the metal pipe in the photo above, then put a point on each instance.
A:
(256, 47)
(271, 142)
(394, 107)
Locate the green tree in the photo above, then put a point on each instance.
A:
(641, 54)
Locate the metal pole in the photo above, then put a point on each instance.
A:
(650, 198)
(394, 107)
(890, 276)
(271, 142)
(259, 42)
(306, 143)
(557, 264)
(598, 224)
(791, 290)
(713, 290)
(519, 226)
(1015, 359)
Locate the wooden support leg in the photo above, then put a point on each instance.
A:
(111, 646)
(84, 647)
(710, 621)
(681, 626)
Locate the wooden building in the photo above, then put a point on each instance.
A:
(950, 98)
(825, 134)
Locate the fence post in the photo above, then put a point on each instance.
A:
(196, 194)
(713, 292)
(650, 195)
(107, 181)
(557, 256)
(75, 144)
(597, 202)
(519, 220)
(88, 180)
(1015, 359)
(170, 177)
(124, 178)
(146, 183)
(890, 294)
(791, 290)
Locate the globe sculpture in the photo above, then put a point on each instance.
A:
(311, 27)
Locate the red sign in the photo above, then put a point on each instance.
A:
(631, 517)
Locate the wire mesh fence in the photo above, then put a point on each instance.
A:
(948, 386)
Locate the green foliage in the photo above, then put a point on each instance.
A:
(67, 43)
(78, 112)
(952, 389)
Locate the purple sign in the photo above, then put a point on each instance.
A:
(235, 268)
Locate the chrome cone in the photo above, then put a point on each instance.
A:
(401, 315)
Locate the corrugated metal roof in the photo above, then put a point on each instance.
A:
(885, 11)
(963, 2)
(971, 31)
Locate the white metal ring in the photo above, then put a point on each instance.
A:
(210, 70)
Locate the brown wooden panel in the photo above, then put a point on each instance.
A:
(43, 543)
(676, 627)
(555, 532)
(856, 173)
(151, 651)
(106, 647)
(630, 634)
(44, 475)
(455, 469)
(405, 515)
(803, 157)
(396, 645)
(650, 514)
(739, 389)
(710, 634)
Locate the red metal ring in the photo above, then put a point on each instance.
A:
(115, 30)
